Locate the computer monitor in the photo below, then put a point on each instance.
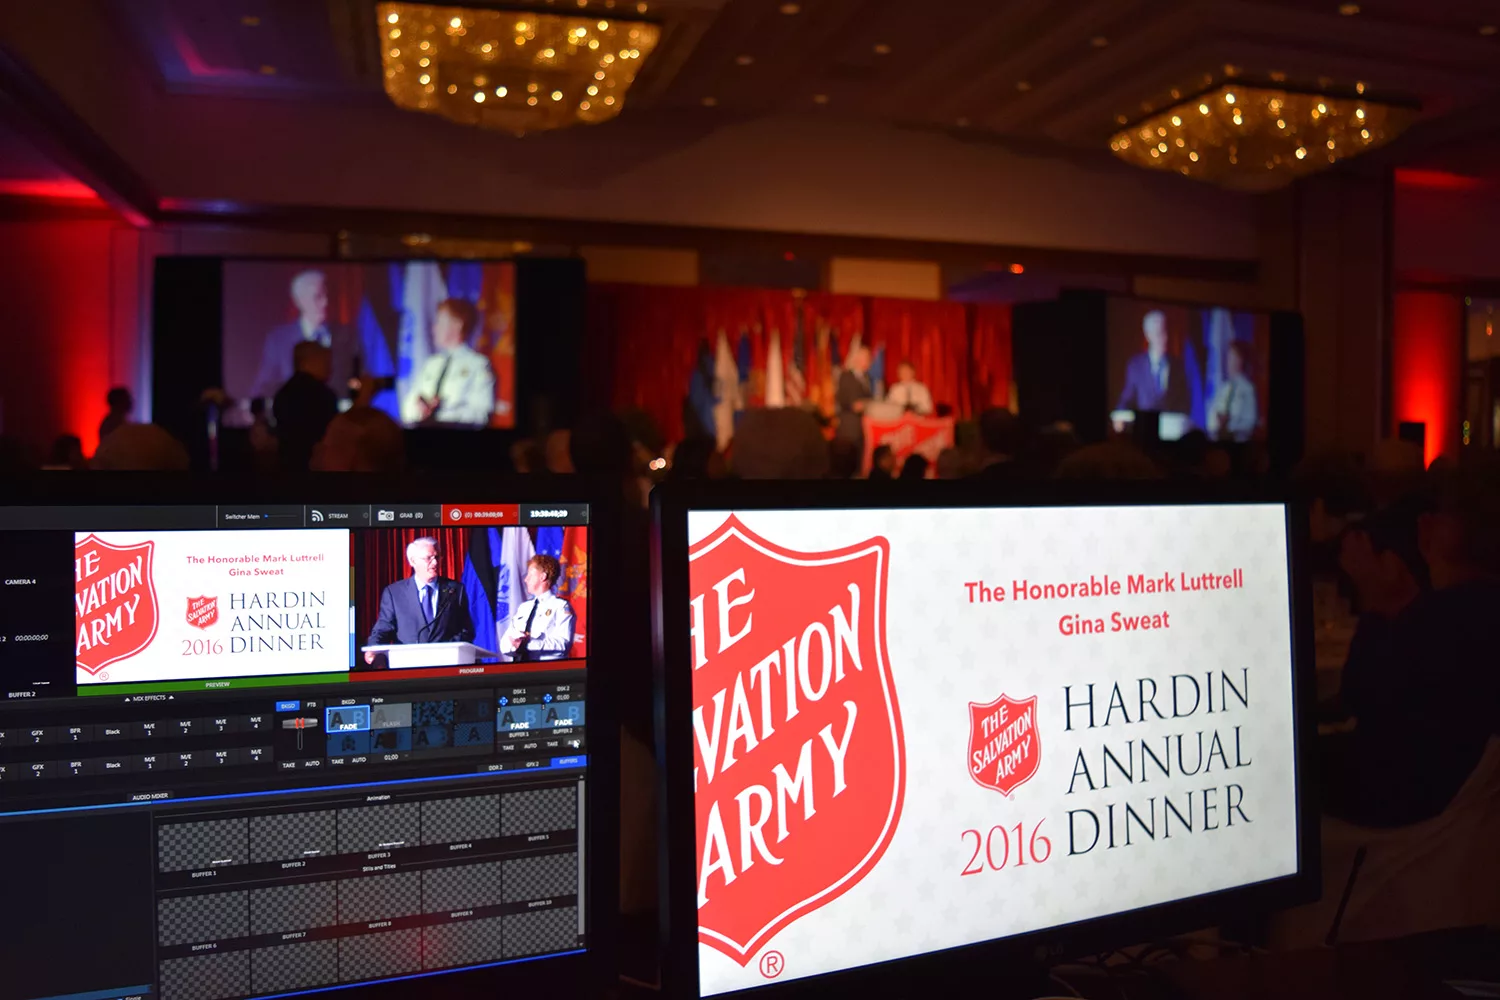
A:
(311, 738)
(920, 724)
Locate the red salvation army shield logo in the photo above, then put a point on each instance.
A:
(798, 749)
(1005, 747)
(202, 611)
(114, 598)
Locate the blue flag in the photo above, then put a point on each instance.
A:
(478, 581)
(549, 542)
(375, 358)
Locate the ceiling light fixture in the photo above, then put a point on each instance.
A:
(1256, 138)
(1023, 85)
(558, 55)
(744, 60)
(820, 98)
(1348, 9)
(1098, 41)
(882, 49)
(791, 8)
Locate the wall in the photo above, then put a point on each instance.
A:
(1427, 366)
(1343, 292)
(60, 313)
(1447, 227)
(77, 315)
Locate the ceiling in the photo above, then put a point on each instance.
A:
(1039, 71)
(1049, 78)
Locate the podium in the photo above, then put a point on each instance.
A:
(402, 655)
(906, 434)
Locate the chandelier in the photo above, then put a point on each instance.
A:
(1255, 138)
(515, 70)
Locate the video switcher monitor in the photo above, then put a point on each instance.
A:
(296, 748)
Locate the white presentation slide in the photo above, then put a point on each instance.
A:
(920, 729)
(183, 605)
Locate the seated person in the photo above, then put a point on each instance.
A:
(909, 394)
(1420, 681)
(424, 607)
(542, 627)
(363, 439)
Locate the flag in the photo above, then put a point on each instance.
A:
(478, 581)
(775, 374)
(496, 338)
(796, 379)
(727, 389)
(422, 289)
(510, 588)
(569, 546)
(375, 358)
(466, 280)
(574, 585)
(742, 356)
(549, 542)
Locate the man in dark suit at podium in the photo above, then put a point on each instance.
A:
(424, 607)
(1154, 380)
(310, 295)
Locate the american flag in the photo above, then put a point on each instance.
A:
(796, 383)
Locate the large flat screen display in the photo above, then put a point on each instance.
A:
(437, 336)
(917, 729)
(298, 747)
(1201, 369)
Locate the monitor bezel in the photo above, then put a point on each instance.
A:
(595, 968)
(670, 505)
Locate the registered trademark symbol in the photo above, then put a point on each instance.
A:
(771, 964)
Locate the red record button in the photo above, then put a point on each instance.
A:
(473, 513)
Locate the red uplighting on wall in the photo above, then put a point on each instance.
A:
(58, 189)
(1438, 180)
(57, 297)
(1427, 366)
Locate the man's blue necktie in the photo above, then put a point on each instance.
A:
(427, 603)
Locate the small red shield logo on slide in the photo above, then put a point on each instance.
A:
(799, 754)
(114, 601)
(1005, 747)
(202, 611)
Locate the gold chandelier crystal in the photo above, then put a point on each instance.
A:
(520, 71)
(1254, 138)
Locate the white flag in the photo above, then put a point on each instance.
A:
(775, 373)
(727, 387)
(510, 588)
(423, 290)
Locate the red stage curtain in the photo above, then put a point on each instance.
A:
(380, 560)
(643, 344)
(989, 356)
(933, 336)
(643, 341)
